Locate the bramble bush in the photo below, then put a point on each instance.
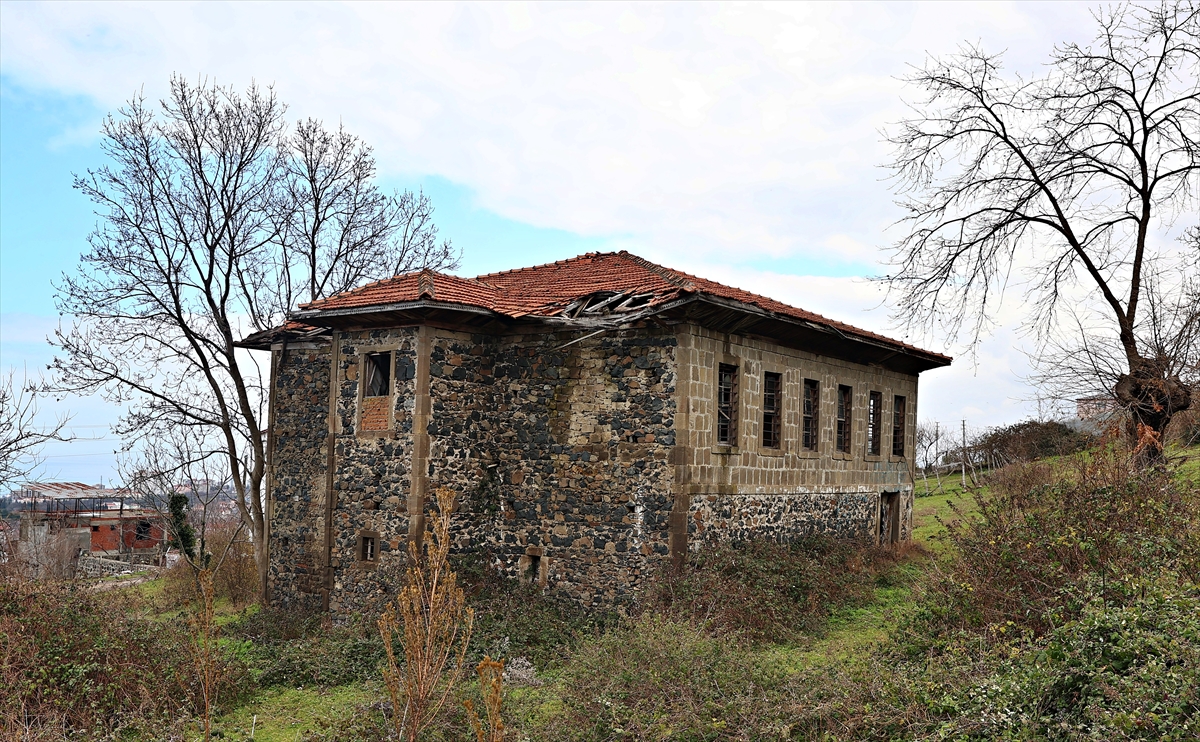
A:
(75, 663)
(766, 591)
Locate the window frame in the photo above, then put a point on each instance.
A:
(844, 429)
(899, 424)
(370, 368)
(772, 416)
(810, 415)
(360, 549)
(874, 423)
(729, 407)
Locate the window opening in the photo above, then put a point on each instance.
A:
(379, 374)
(142, 531)
(367, 548)
(898, 413)
(95, 529)
(726, 404)
(772, 410)
(531, 569)
(845, 409)
(874, 422)
(812, 406)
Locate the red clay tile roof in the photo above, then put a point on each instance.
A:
(546, 290)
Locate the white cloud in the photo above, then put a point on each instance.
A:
(698, 128)
(706, 135)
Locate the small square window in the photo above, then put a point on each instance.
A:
(95, 529)
(379, 375)
(368, 548)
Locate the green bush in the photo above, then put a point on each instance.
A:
(1116, 672)
(655, 678)
(286, 649)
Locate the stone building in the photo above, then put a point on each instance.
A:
(598, 417)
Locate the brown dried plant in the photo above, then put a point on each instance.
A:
(433, 622)
(204, 648)
(491, 674)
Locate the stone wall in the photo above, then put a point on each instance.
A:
(297, 484)
(559, 453)
(732, 492)
(579, 464)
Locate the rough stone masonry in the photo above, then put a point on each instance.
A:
(597, 418)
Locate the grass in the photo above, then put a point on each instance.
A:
(287, 714)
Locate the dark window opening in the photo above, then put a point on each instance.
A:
(379, 374)
(845, 409)
(811, 414)
(898, 413)
(531, 569)
(772, 410)
(727, 405)
(142, 531)
(874, 422)
(367, 548)
(95, 529)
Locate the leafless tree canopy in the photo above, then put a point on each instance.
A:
(1070, 178)
(21, 436)
(215, 216)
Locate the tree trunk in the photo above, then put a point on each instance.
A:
(1153, 397)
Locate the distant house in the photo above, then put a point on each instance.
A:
(60, 521)
(598, 417)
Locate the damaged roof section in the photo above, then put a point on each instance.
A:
(592, 291)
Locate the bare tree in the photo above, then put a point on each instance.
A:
(1073, 175)
(21, 437)
(928, 446)
(205, 235)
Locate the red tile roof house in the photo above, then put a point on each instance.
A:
(598, 417)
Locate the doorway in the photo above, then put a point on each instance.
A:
(889, 518)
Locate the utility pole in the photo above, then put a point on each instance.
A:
(964, 454)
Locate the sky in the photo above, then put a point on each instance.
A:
(744, 143)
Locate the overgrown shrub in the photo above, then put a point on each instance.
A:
(514, 620)
(768, 591)
(283, 648)
(235, 580)
(1116, 672)
(1028, 440)
(655, 678)
(1050, 539)
(89, 663)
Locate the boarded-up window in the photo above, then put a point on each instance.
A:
(772, 410)
(845, 410)
(811, 414)
(727, 404)
(379, 375)
(874, 422)
(898, 416)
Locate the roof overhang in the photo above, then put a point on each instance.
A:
(716, 313)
